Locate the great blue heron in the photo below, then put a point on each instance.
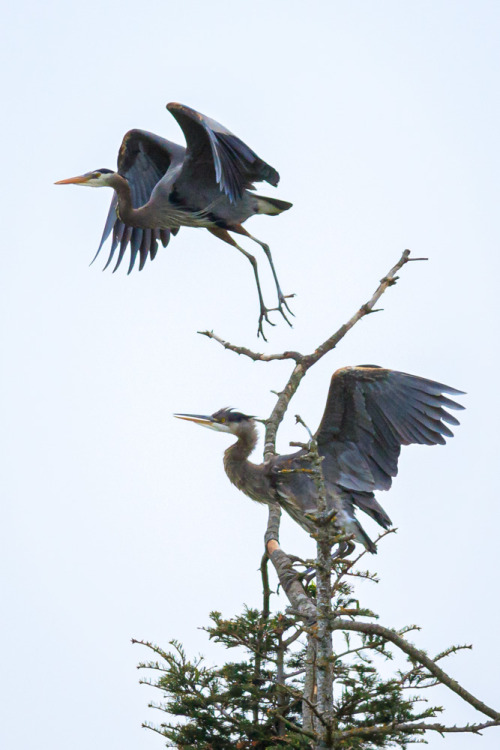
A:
(370, 413)
(161, 186)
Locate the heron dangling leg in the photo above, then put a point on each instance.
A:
(282, 298)
(224, 235)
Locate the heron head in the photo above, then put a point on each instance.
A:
(224, 420)
(98, 178)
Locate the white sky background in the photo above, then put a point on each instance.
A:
(118, 521)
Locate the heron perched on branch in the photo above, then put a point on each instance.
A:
(161, 186)
(370, 413)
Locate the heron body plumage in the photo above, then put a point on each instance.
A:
(369, 414)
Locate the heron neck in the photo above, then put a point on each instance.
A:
(247, 440)
(126, 213)
(250, 478)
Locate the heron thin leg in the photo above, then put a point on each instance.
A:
(282, 298)
(224, 235)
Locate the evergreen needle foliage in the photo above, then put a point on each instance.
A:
(256, 701)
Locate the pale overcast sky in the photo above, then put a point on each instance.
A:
(383, 121)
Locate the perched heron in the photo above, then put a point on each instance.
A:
(161, 186)
(370, 413)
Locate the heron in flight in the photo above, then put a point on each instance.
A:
(370, 413)
(161, 186)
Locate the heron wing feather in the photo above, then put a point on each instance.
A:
(144, 159)
(217, 156)
(378, 411)
(369, 414)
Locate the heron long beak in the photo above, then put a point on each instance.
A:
(79, 180)
(204, 421)
(197, 419)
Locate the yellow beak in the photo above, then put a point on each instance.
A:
(74, 180)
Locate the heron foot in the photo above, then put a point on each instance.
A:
(282, 304)
(283, 301)
(264, 317)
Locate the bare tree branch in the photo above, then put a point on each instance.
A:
(283, 565)
(304, 362)
(256, 356)
(309, 684)
(369, 307)
(411, 728)
(370, 628)
(290, 582)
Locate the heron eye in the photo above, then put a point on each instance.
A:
(223, 420)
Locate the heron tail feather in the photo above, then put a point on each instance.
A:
(271, 206)
(366, 502)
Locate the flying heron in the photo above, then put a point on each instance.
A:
(161, 186)
(370, 413)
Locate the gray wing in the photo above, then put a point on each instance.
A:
(216, 156)
(143, 159)
(370, 413)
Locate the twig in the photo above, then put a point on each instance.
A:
(388, 280)
(256, 356)
(292, 725)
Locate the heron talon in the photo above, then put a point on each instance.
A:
(280, 310)
(284, 316)
(284, 304)
(260, 332)
(264, 317)
(267, 319)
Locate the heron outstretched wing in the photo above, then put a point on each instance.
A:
(143, 159)
(370, 413)
(215, 155)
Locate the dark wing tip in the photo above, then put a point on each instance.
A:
(270, 175)
(123, 161)
(174, 107)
